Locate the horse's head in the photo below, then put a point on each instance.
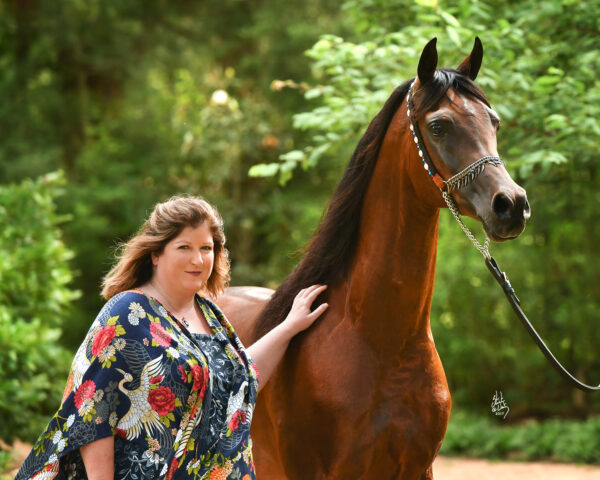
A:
(456, 128)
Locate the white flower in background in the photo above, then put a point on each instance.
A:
(53, 458)
(219, 97)
(70, 420)
(57, 436)
(119, 343)
(174, 353)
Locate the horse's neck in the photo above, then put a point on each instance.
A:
(391, 284)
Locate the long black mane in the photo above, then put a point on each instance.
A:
(331, 251)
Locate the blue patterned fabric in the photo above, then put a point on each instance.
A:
(142, 377)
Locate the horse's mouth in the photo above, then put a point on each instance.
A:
(499, 239)
(502, 236)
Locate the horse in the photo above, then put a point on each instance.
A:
(362, 393)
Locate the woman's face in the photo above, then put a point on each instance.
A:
(186, 262)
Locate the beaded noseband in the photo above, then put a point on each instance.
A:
(457, 181)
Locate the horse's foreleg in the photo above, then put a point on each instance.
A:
(428, 475)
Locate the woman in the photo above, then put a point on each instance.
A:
(161, 387)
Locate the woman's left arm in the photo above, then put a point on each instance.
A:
(269, 349)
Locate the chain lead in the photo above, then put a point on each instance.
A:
(483, 249)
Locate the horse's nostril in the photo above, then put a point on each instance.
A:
(502, 206)
(526, 210)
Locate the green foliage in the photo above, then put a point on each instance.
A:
(5, 458)
(555, 439)
(34, 300)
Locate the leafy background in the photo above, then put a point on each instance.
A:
(109, 107)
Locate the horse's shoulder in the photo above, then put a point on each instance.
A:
(242, 307)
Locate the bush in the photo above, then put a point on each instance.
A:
(34, 298)
(554, 439)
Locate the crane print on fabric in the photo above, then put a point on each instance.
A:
(140, 376)
(141, 415)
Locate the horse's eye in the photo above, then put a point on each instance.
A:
(436, 129)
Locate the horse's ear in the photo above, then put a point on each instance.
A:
(470, 65)
(428, 62)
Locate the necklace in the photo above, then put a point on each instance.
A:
(183, 320)
(171, 309)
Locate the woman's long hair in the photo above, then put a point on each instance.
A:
(167, 220)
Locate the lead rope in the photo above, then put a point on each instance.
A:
(513, 300)
(483, 249)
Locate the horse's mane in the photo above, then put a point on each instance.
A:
(331, 251)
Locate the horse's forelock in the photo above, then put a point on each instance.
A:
(437, 89)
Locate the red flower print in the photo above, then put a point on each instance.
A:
(183, 373)
(172, 468)
(162, 400)
(102, 339)
(160, 334)
(238, 416)
(156, 379)
(120, 433)
(199, 376)
(84, 392)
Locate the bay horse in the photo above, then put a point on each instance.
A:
(362, 394)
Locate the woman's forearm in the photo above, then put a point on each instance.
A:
(99, 459)
(268, 350)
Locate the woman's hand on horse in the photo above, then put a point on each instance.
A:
(300, 316)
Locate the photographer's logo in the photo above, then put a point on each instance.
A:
(499, 405)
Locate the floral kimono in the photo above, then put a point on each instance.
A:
(143, 378)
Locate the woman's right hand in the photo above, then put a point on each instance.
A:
(300, 316)
(268, 350)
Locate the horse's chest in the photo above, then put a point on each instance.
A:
(399, 395)
(353, 409)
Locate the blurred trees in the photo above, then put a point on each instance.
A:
(137, 101)
(120, 96)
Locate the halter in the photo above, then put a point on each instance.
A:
(457, 181)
